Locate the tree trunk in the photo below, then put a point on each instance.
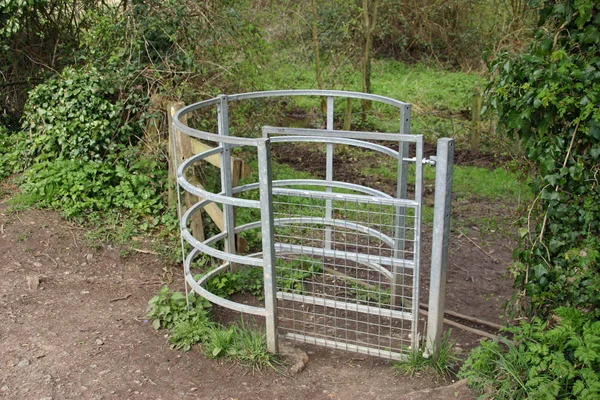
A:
(315, 39)
(369, 19)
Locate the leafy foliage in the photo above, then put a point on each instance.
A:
(191, 324)
(75, 115)
(80, 187)
(167, 308)
(37, 39)
(292, 274)
(542, 361)
(549, 98)
(245, 280)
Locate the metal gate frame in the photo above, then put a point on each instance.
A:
(267, 258)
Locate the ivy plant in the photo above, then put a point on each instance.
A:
(549, 98)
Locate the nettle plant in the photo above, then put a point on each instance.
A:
(549, 98)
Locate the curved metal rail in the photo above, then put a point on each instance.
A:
(387, 265)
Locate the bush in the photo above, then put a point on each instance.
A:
(75, 115)
(80, 187)
(543, 362)
(549, 98)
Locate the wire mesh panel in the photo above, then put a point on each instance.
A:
(350, 289)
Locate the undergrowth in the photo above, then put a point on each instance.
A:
(443, 363)
(189, 324)
(544, 360)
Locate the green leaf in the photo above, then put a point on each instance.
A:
(156, 324)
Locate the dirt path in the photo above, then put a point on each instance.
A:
(73, 327)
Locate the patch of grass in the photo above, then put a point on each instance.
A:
(440, 98)
(467, 181)
(443, 363)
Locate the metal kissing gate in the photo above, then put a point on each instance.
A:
(340, 260)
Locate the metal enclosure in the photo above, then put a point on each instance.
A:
(340, 260)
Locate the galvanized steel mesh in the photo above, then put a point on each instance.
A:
(340, 260)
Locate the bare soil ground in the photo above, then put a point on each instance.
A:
(73, 323)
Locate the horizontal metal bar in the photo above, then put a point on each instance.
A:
(398, 137)
(317, 182)
(215, 197)
(392, 355)
(341, 223)
(233, 258)
(336, 140)
(213, 298)
(311, 92)
(213, 137)
(349, 255)
(347, 197)
(346, 306)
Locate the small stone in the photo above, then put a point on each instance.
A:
(37, 264)
(85, 292)
(23, 363)
(99, 342)
(89, 257)
(4, 388)
(33, 282)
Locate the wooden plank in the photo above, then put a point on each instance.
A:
(215, 159)
(187, 147)
(212, 209)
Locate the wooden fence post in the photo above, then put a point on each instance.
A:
(183, 150)
(186, 147)
(475, 121)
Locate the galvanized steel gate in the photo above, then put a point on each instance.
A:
(340, 260)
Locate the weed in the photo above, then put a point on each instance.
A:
(23, 236)
(251, 350)
(186, 333)
(190, 324)
(292, 273)
(219, 342)
(169, 308)
(443, 363)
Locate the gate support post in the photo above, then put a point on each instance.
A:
(268, 245)
(444, 166)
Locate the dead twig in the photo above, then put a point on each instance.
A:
(51, 259)
(120, 298)
(143, 251)
(461, 268)
(74, 238)
(479, 247)
(478, 332)
(467, 318)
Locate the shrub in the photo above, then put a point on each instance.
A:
(75, 115)
(544, 361)
(549, 98)
(80, 187)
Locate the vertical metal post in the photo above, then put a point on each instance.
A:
(439, 248)
(228, 213)
(268, 242)
(417, 239)
(401, 192)
(329, 172)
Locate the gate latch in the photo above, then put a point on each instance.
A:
(431, 160)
